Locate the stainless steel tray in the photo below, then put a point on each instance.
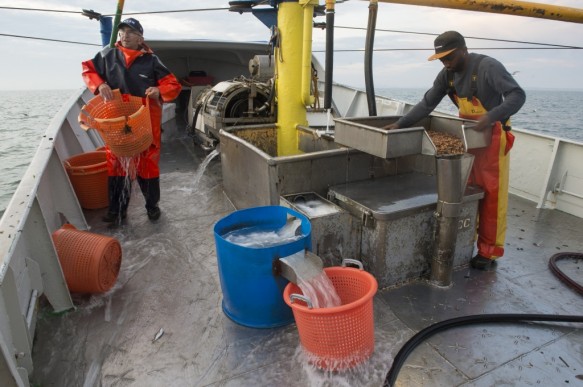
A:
(460, 128)
(366, 134)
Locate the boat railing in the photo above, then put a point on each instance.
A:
(29, 267)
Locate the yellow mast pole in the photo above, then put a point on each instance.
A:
(517, 8)
(293, 55)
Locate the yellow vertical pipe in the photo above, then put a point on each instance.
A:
(294, 71)
(291, 110)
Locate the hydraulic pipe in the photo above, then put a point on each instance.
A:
(441, 326)
(291, 110)
(518, 8)
(105, 29)
(116, 21)
(308, 16)
(368, 52)
(329, 53)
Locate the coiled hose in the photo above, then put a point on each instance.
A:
(559, 273)
(424, 334)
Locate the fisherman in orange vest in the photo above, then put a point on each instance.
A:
(132, 67)
(483, 90)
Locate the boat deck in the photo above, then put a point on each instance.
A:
(169, 280)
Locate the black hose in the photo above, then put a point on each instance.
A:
(329, 58)
(559, 273)
(194, 118)
(422, 335)
(368, 51)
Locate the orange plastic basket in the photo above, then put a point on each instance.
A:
(88, 175)
(90, 261)
(340, 337)
(123, 123)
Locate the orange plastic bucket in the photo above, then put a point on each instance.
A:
(90, 261)
(340, 337)
(88, 175)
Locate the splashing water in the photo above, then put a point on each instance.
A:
(200, 171)
(252, 237)
(328, 120)
(315, 208)
(130, 165)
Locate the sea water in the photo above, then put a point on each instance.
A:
(25, 116)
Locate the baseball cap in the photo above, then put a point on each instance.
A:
(133, 24)
(446, 43)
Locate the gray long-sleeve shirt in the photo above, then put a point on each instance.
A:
(498, 92)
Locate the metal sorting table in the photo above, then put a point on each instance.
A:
(398, 224)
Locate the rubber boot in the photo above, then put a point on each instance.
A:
(120, 189)
(151, 191)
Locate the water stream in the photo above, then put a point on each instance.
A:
(320, 290)
(202, 167)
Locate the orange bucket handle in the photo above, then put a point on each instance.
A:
(85, 119)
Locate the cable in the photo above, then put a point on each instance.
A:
(466, 37)
(174, 11)
(431, 49)
(422, 335)
(335, 50)
(548, 46)
(39, 9)
(125, 13)
(49, 40)
(344, 27)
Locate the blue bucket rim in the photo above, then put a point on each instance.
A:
(306, 225)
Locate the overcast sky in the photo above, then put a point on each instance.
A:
(36, 64)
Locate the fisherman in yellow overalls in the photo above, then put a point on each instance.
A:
(485, 91)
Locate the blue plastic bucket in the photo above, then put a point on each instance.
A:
(252, 293)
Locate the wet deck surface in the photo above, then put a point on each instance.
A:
(169, 281)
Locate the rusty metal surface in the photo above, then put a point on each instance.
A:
(517, 8)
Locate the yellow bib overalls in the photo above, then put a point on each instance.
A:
(490, 172)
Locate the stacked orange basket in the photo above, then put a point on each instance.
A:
(88, 175)
(123, 123)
